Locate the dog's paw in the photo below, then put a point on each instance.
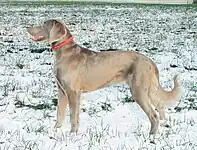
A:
(164, 123)
(152, 138)
(74, 130)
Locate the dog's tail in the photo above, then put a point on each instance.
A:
(170, 97)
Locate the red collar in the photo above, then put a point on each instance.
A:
(60, 45)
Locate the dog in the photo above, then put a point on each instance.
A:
(80, 70)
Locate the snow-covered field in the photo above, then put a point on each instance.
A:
(109, 120)
(115, 1)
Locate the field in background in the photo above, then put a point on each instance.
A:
(110, 120)
(110, 1)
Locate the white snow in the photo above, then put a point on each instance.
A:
(165, 34)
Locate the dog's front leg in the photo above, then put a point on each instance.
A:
(61, 108)
(74, 105)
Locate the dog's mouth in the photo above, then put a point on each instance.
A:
(37, 38)
(36, 34)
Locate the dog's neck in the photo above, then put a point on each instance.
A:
(62, 43)
(64, 46)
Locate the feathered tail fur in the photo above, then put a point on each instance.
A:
(169, 97)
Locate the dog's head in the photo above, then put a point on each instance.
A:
(51, 31)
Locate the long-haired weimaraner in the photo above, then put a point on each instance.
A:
(80, 70)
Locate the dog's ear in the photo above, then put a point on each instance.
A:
(57, 31)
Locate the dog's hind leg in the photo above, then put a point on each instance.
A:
(162, 117)
(140, 86)
(152, 114)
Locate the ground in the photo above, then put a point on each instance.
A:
(109, 119)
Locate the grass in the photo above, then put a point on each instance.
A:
(35, 131)
(51, 2)
(20, 104)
